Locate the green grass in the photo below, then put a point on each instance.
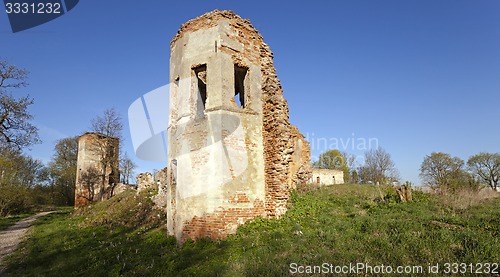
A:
(6, 222)
(341, 224)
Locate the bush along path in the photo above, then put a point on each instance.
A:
(10, 238)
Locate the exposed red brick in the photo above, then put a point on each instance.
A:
(284, 166)
(219, 224)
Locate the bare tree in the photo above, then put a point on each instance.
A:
(486, 166)
(379, 167)
(127, 167)
(110, 127)
(109, 124)
(15, 128)
(350, 175)
(349, 159)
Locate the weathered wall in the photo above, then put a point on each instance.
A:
(97, 168)
(227, 164)
(300, 167)
(120, 188)
(327, 176)
(146, 181)
(161, 178)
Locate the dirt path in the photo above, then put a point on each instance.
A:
(10, 238)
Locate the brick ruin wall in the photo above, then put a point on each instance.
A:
(286, 152)
(283, 169)
(224, 221)
(91, 152)
(300, 166)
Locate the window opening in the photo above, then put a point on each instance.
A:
(201, 82)
(240, 74)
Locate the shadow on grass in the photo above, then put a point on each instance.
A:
(6, 222)
(59, 247)
(340, 225)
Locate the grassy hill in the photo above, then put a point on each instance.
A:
(337, 225)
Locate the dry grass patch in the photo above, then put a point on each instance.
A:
(465, 199)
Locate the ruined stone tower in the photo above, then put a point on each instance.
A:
(97, 168)
(232, 153)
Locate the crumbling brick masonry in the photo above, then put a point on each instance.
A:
(97, 168)
(233, 154)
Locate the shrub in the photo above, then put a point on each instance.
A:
(305, 188)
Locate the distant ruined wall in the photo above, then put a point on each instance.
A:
(161, 178)
(327, 176)
(300, 167)
(146, 181)
(233, 154)
(97, 168)
(120, 188)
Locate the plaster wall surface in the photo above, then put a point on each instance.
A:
(231, 156)
(327, 177)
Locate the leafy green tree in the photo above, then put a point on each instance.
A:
(486, 167)
(12, 195)
(62, 171)
(445, 173)
(19, 175)
(331, 159)
(334, 159)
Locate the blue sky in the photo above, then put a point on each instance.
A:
(414, 76)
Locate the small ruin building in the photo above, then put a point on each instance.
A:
(232, 153)
(327, 177)
(97, 168)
